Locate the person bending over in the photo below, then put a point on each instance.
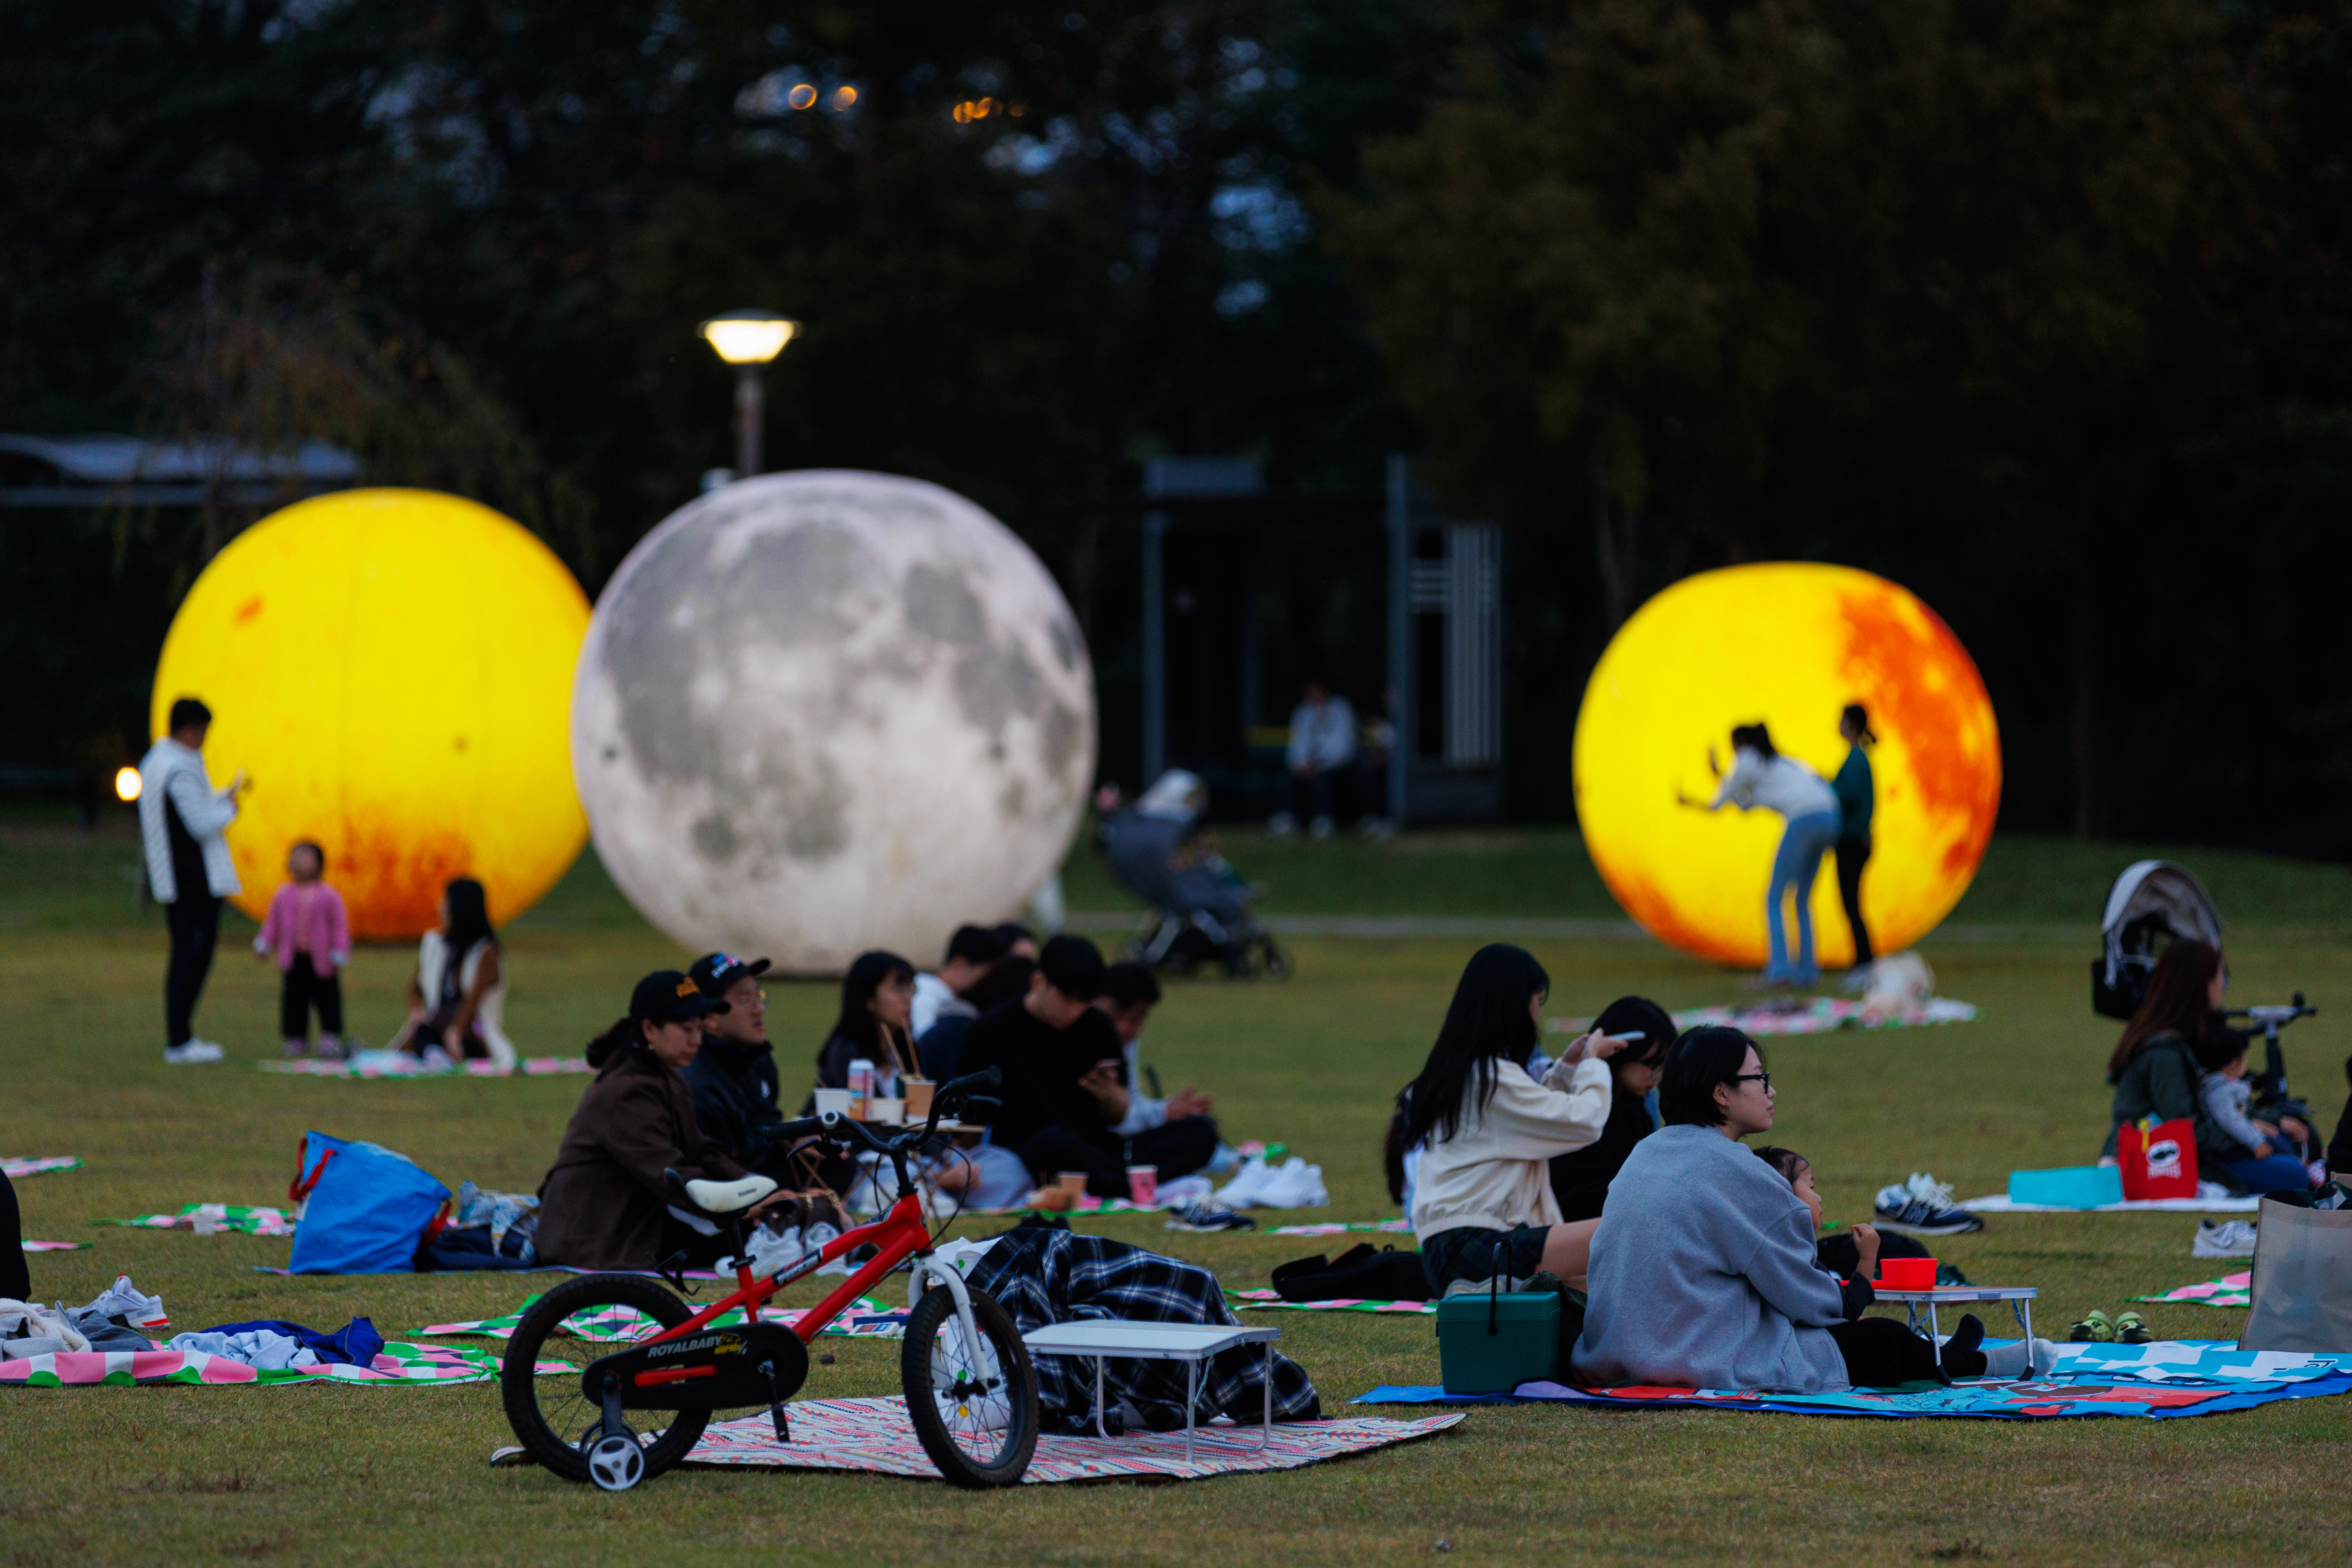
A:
(1482, 1197)
(973, 951)
(1762, 776)
(1581, 1180)
(1062, 1094)
(606, 1203)
(1129, 992)
(1705, 1273)
(877, 996)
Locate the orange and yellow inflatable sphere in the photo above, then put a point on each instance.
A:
(392, 670)
(1788, 644)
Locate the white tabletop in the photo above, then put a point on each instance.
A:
(1961, 1293)
(1145, 1342)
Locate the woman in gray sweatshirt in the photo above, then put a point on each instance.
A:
(1704, 1272)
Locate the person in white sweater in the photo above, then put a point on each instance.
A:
(1482, 1197)
(1762, 776)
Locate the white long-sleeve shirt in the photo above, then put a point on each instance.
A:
(170, 769)
(1494, 1171)
(1322, 734)
(1783, 784)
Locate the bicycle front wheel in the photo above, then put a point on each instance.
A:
(974, 1406)
(575, 1323)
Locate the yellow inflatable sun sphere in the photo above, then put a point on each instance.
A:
(392, 670)
(1788, 644)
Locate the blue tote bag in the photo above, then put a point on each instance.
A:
(365, 1207)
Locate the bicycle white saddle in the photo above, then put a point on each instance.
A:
(730, 1197)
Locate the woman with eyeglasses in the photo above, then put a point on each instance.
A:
(1482, 1197)
(1702, 1272)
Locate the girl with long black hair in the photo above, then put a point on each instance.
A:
(456, 998)
(877, 999)
(1481, 1201)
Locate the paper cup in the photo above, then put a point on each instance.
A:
(836, 1100)
(1143, 1184)
(1071, 1182)
(919, 1097)
(888, 1112)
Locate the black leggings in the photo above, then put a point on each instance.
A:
(1881, 1352)
(305, 987)
(1852, 854)
(1177, 1148)
(15, 1280)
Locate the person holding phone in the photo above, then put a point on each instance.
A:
(1482, 1197)
(1762, 776)
(1579, 1179)
(183, 824)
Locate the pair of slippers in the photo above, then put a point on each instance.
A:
(2098, 1329)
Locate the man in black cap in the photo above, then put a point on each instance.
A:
(734, 1076)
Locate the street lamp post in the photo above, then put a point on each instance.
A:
(747, 340)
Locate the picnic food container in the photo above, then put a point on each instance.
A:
(1906, 1274)
(1492, 1341)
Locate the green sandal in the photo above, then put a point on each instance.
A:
(2094, 1329)
(2131, 1329)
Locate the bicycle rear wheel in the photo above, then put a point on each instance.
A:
(974, 1407)
(575, 1323)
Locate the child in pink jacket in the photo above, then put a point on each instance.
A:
(311, 936)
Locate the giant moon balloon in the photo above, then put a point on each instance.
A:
(1790, 645)
(826, 712)
(391, 669)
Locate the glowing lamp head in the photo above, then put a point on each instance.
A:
(126, 785)
(748, 337)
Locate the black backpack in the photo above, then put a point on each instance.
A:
(1359, 1273)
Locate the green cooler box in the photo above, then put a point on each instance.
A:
(1491, 1343)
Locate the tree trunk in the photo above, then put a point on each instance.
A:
(1614, 556)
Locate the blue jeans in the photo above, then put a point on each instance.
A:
(2274, 1173)
(1807, 839)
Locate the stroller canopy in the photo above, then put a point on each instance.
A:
(2149, 898)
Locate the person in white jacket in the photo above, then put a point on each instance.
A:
(1762, 776)
(1482, 1197)
(182, 820)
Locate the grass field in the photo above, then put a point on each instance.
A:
(399, 1475)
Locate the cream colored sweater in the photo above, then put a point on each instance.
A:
(1492, 1172)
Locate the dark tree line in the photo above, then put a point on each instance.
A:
(2038, 306)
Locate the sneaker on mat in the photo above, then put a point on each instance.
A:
(1298, 1185)
(2223, 1239)
(1242, 1190)
(195, 1051)
(2094, 1330)
(1208, 1214)
(1923, 1206)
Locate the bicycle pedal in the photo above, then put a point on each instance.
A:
(784, 1424)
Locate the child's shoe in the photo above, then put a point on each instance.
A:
(297, 1047)
(2131, 1329)
(2094, 1330)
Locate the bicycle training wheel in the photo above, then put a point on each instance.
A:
(975, 1408)
(550, 1414)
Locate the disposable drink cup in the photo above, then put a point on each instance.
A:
(1071, 1182)
(889, 1113)
(1143, 1184)
(919, 1097)
(836, 1100)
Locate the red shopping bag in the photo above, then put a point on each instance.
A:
(2158, 1158)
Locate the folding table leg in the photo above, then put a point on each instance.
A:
(1100, 1430)
(1192, 1404)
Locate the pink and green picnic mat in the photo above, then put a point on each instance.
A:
(866, 1317)
(2230, 1290)
(2164, 1378)
(405, 1366)
(873, 1435)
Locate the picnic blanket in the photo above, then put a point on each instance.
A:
(400, 1064)
(395, 1366)
(873, 1434)
(2161, 1379)
(220, 1216)
(1801, 1016)
(1269, 1301)
(2000, 1203)
(1393, 1227)
(865, 1318)
(29, 1245)
(2230, 1290)
(17, 1167)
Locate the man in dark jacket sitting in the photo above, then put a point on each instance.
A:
(734, 1076)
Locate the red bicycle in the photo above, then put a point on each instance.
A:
(972, 1390)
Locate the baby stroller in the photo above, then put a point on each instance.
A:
(2153, 904)
(1200, 906)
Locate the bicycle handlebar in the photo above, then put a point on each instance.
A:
(833, 1127)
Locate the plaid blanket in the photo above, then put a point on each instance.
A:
(17, 1167)
(404, 1364)
(220, 1216)
(865, 1317)
(1045, 1277)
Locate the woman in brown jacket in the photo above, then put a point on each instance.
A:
(606, 1203)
